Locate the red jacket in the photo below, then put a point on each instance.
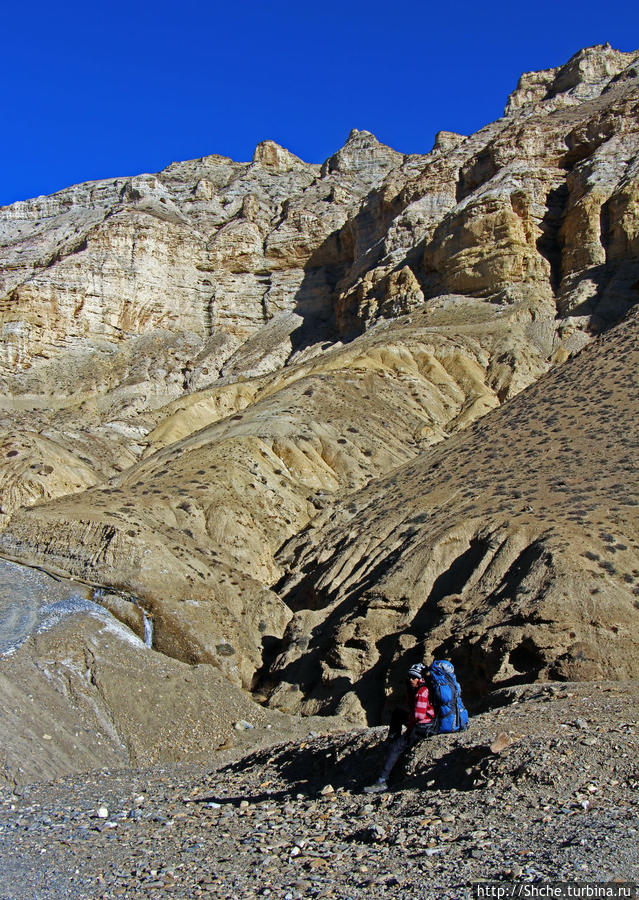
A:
(421, 709)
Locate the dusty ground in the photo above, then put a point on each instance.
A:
(555, 799)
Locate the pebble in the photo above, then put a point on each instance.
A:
(376, 832)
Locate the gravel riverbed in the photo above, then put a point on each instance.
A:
(544, 787)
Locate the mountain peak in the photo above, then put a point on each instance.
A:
(364, 154)
(273, 156)
(583, 77)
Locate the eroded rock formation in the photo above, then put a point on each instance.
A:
(200, 364)
(511, 548)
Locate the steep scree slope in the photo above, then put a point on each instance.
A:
(512, 548)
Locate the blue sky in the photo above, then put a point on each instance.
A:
(96, 90)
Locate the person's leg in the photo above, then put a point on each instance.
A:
(397, 747)
(398, 720)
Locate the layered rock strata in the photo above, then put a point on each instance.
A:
(197, 363)
(513, 549)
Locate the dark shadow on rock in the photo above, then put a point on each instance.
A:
(476, 663)
(451, 582)
(343, 763)
(365, 835)
(599, 276)
(479, 169)
(306, 671)
(314, 300)
(370, 689)
(549, 243)
(272, 646)
(263, 797)
(458, 770)
(495, 700)
(329, 264)
(351, 762)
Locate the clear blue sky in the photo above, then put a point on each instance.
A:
(100, 89)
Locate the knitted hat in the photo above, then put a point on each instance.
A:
(416, 671)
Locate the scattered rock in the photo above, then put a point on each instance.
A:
(502, 742)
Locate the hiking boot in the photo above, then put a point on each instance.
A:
(379, 787)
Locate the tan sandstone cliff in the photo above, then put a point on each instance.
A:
(241, 396)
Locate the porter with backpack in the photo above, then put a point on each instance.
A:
(435, 707)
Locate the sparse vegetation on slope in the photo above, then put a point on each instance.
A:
(313, 421)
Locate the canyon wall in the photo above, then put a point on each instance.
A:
(319, 420)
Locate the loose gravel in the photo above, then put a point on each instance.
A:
(544, 787)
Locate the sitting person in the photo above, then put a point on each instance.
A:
(421, 722)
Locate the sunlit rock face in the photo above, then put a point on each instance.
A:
(520, 211)
(204, 368)
(512, 548)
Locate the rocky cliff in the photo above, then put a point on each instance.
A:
(512, 548)
(317, 419)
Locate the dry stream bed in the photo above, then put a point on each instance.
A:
(543, 787)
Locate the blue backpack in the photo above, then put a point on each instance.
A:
(446, 696)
